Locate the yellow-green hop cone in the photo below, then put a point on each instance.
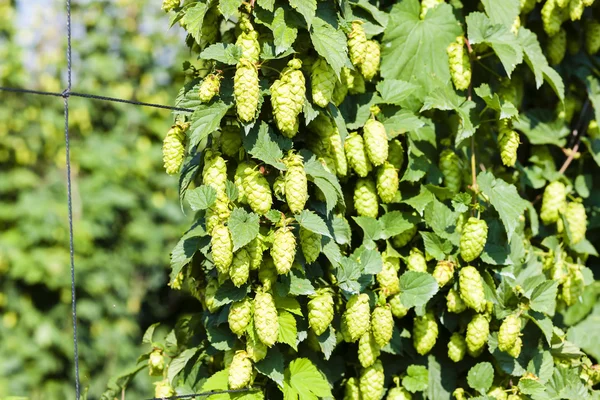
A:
(296, 183)
(457, 347)
(323, 81)
(460, 65)
(240, 371)
(477, 334)
(577, 220)
(356, 153)
(473, 238)
(398, 393)
(351, 389)
(169, 5)
(372, 381)
(241, 171)
(255, 250)
(388, 279)
(283, 251)
(354, 81)
(246, 90)
(402, 239)
(339, 155)
(287, 98)
(443, 272)
(573, 286)
(209, 88)
(256, 350)
(156, 363)
(527, 6)
(222, 248)
(356, 319)
(214, 173)
(509, 332)
(387, 182)
(471, 288)
(396, 154)
(425, 333)
(240, 314)
(508, 143)
(174, 149)
(552, 17)
(357, 43)
(340, 91)
(239, 271)
(248, 42)
(427, 5)
(209, 295)
(557, 47)
(163, 389)
(592, 37)
(370, 64)
(451, 168)
(266, 321)
(279, 187)
(231, 140)
(376, 141)
(368, 350)
(366, 203)
(576, 8)
(310, 242)
(454, 303)
(554, 202)
(257, 191)
(398, 309)
(267, 274)
(562, 3)
(459, 394)
(498, 393)
(382, 325)
(515, 350)
(320, 311)
(416, 261)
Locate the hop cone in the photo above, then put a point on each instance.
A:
(351, 389)
(370, 65)
(222, 248)
(553, 202)
(473, 238)
(266, 321)
(388, 279)
(210, 26)
(257, 191)
(477, 334)
(267, 274)
(156, 363)
(515, 351)
(231, 140)
(387, 182)
(498, 393)
(509, 332)
(460, 66)
(163, 389)
(248, 42)
(239, 316)
(240, 371)
(323, 81)
(169, 5)
(174, 149)
(416, 261)
(396, 154)
(340, 90)
(339, 155)
(287, 98)
(256, 350)
(372, 381)
(450, 166)
(246, 90)
(218, 213)
(356, 320)
(508, 143)
(457, 347)
(427, 5)
(459, 394)
(573, 286)
(471, 288)
(310, 242)
(402, 239)
(398, 393)
(209, 88)
(592, 36)
(279, 187)
(320, 311)
(443, 272)
(357, 43)
(239, 272)
(398, 309)
(255, 250)
(368, 350)
(577, 220)
(576, 9)
(365, 198)
(557, 47)
(209, 295)
(382, 325)
(354, 81)
(376, 141)
(296, 183)
(552, 17)
(214, 173)
(241, 171)
(425, 333)
(283, 250)
(527, 6)
(454, 302)
(357, 154)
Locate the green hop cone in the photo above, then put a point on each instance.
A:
(323, 81)
(266, 322)
(376, 141)
(174, 148)
(365, 198)
(459, 394)
(368, 350)
(577, 221)
(357, 43)
(527, 6)
(209, 295)
(283, 251)
(209, 88)
(214, 173)
(572, 288)
(402, 239)
(370, 64)
(255, 250)
(416, 261)
(296, 183)
(460, 66)
(498, 393)
(398, 309)
(398, 393)
(425, 333)
(340, 91)
(427, 5)
(509, 332)
(231, 140)
(354, 81)
(356, 154)
(356, 319)
(279, 188)
(443, 272)
(163, 389)
(287, 98)
(257, 191)
(576, 8)
(222, 248)
(169, 5)
(508, 143)
(246, 90)
(241, 171)
(239, 271)
(451, 168)
(351, 389)
(478, 330)
(267, 274)
(387, 182)
(372, 381)
(382, 325)
(396, 154)
(454, 303)
(339, 155)
(554, 202)
(562, 3)
(388, 279)
(552, 17)
(457, 347)
(248, 42)
(557, 47)
(156, 363)
(320, 311)
(473, 238)
(256, 350)
(240, 371)
(515, 350)
(210, 27)
(592, 36)
(471, 288)
(310, 242)
(240, 314)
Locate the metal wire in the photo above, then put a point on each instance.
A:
(203, 394)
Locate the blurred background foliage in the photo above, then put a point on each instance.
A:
(124, 226)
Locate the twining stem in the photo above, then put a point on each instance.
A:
(578, 133)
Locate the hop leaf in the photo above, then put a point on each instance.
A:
(310, 242)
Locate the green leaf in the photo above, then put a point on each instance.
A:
(272, 366)
(330, 43)
(417, 288)
(436, 247)
(266, 4)
(395, 91)
(311, 221)
(299, 285)
(205, 120)
(341, 230)
(585, 334)
(533, 388)
(402, 122)
(244, 227)
(202, 197)
(537, 62)
(185, 249)
(504, 198)
(229, 7)
(416, 379)
(481, 376)
(306, 380)
(226, 53)
(288, 332)
(442, 378)
(543, 298)
(347, 274)
(371, 229)
(327, 342)
(394, 223)
(284, 33)
(193, 19)
(544, 323)
(179, 362)
(289, 304)
(541, 127)
(228, 293)
(506, 109)
(149, 334)
(542, 366)
(371, 262)
(308, 9)
(504, 12)
(262, 143)
(414, 50)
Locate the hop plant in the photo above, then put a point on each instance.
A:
(246, 90)
(231, 140)
(372, 381)
(552, 17)
(454, 303)
(170, 5)
(382, 325)
(425, 333)
(356, 319)
(509, 332)
(174, 148)
(554, 202)
(398, 309)
(473, 238)
(266, 321)
(222, 248)
(592, 36)
(209, 87)
(365, 198)
(323, 81)
(336, 147)
(370, 64)
(296, 183)
(416, 261)
(477, 334)
(357, 43)
(156, 363)
(257, 191)
(471, 288)
(368, 350)
(283, 251)
(376, 141)
(387, 182)
(310, 242)
(457, 347)
(320, 311)
(287, 98)
(577, 221)
(240, 314)
(443, 272)
(163, 389)
(508, 143)
(402, 239)
(460, 66)
(240, 371)
(527, 6)
(357, 156)
(239, 271)
(351, 389)
(450, 165)
(388, 279)
(557, 47)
